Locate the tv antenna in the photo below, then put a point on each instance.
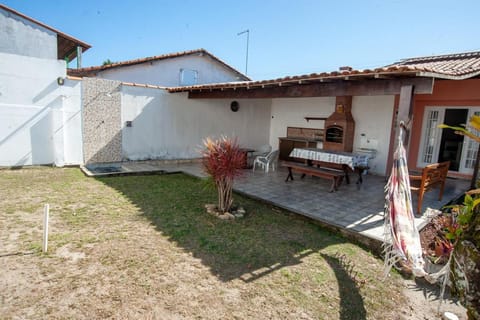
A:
(246, 58)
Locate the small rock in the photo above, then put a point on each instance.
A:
(238, 214)
(449, 316)
(241, 210)
(229, 215)
(226, 216)
(211, 208)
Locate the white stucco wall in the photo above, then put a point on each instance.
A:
(372, 115)
(292, 112)
(28, 80)
(167, 72)
(171, 126)
(373, 120)
(71, 124)
(22, 37)
(39, 120)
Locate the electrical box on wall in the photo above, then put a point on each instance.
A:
(368, 143)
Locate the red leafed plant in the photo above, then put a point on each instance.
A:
(223, 161)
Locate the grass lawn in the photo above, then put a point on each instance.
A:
(144, 247)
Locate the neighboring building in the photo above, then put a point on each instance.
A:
(169, 70)
(25, 36)
(39, 109)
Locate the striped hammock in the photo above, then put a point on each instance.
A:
(401, 237)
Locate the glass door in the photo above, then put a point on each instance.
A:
(470, 147)
(437, 145)
(451, 144)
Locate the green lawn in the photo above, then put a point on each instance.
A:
(143, 246)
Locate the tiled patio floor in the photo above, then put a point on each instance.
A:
(353, 209)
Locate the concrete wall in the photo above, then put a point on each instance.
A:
(27, 80)
(72, 122)
(101, 114)
(39, 120)
(167, 72)
(292, 112)
(22, 37)
(372, 117)
(171, 126)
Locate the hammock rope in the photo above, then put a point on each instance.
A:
(401, 236)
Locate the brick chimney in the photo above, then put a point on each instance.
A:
(345, 68)
(340, 126)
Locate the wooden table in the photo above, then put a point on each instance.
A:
(246, 152)
(347, 161)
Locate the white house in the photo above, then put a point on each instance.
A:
(168, 70)
(47, 117)
(40, 121)
(162, 107)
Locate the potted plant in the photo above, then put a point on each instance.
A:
(223, 161)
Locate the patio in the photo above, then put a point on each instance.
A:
(354, 210)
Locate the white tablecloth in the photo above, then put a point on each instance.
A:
(350, 159)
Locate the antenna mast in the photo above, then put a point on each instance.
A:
(248, 39)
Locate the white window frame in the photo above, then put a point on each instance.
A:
(188, 77)
(436, 135)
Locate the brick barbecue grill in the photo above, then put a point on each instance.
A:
(340, 127)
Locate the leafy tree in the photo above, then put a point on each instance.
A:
(107, 62)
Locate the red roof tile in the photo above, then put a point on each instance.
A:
(464, 65)
(91, 71)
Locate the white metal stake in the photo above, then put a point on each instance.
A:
(45, 227)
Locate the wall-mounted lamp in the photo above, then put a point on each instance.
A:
(234, 106)
(61, 81)
(340, 108)
(128, 124)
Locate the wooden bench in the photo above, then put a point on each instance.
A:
(336, 176)
(346, 169)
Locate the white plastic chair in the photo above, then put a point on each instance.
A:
(266, 161)
(262, 150)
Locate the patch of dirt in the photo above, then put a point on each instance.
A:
(66, 253)
(424, 302)
(424, 299)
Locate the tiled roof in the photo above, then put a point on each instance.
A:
(460, 65)
(91, 71)
(453, 66)
(394, 71)
(66, 45)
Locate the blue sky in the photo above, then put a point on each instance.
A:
(286, 37)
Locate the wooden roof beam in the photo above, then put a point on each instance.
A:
(339, 88)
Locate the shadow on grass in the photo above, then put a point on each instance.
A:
(351, 301)
(266, 240)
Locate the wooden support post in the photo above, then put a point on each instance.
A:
(405, 110)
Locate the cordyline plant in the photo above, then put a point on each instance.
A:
(223, 161)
